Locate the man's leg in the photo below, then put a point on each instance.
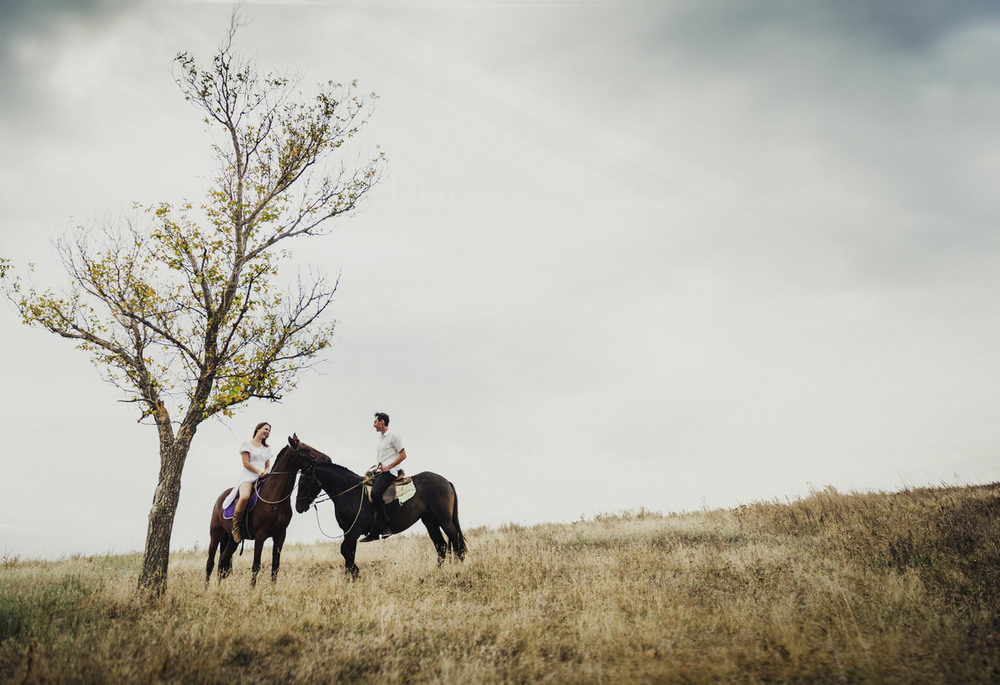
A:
(380, 522)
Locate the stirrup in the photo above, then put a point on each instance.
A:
(385, 532)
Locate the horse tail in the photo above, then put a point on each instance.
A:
(460, 540)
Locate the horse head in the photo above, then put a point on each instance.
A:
(304, 455)
(309, 485)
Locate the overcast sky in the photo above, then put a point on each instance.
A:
(667, 254)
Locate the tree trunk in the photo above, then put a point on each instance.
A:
(153, 577)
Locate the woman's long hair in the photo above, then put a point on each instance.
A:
(259, 426)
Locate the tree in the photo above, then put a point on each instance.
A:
(180, 307)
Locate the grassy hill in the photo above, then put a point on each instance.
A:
(875, 587)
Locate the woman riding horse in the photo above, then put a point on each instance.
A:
(256, 458)
(271, 516)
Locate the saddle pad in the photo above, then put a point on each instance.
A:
(400, 490)
(231, 509)
(404, 491)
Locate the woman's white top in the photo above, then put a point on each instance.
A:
(259, 456)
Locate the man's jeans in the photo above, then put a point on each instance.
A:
(382, 482)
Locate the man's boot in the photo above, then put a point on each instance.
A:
(376, 529)
(382, 520)
(373, 534)
(380, 527)
(238, 525)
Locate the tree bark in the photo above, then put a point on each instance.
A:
(153, 576)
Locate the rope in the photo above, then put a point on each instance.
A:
(361, 504)
(256, 487)
(366, 479)
(319, 525)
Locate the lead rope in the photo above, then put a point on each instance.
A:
(361, 504)
(337, 537)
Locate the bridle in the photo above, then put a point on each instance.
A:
(257, 484)
(310, 471)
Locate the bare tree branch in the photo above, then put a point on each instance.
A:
(181, 305)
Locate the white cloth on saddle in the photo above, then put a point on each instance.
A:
(259, 456)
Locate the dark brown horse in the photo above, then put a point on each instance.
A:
(435, 504)
(269, 518)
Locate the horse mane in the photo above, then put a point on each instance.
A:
(337, 468)
(277, 459)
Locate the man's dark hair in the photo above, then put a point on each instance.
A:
(383, 417)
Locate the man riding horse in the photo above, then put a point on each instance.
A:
(390, 453)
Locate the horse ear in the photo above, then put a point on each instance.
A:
(293, 441)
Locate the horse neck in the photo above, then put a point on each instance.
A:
(282, 478)
(335, 478)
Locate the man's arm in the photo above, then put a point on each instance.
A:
(397, 461)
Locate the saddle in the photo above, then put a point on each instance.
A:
(246, 531)
(401, 490)
(229, 511)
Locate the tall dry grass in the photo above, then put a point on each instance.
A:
(888, 588)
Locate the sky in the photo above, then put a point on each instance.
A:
(669, 255)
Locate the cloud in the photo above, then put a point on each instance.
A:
(31, 32)
(727, 29)
(732, 248)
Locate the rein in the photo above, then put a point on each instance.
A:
(361, 503)
(344, 492)
(256, 487)
(337, 537)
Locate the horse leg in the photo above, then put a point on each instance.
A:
(258, 548)
(453, 530)
(435, 532)
(348, 548)
(226, 557)
(212, 546)
(277, 540)
(456, 541)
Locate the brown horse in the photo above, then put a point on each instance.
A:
(435, 504)
(269, 518)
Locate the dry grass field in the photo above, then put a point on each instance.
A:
(842, 588)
